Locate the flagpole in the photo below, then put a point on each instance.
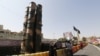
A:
(77, 32)
(73, 33)
(78, 36)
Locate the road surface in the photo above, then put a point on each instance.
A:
(89, 50)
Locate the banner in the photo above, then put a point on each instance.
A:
(68, 35)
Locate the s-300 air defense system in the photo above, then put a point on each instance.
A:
(32, 29)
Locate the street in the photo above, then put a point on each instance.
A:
(89, 50)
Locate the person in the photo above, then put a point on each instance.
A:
(52, 49)
(23, 46)
(81, 44)
(69, 48)
(58, 45)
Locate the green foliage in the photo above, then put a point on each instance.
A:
(84, 39)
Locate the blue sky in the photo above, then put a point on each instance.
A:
(58, 16)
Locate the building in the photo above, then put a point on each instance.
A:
(8, 34)
(10, 42)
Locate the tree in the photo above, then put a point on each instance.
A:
(84, 39)
(75, 41)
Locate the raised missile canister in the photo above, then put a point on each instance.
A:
(38, 26)
(23, 43)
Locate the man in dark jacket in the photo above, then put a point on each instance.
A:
(52, 49)
(69, 48)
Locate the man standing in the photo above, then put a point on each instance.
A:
(52, 49)
(69, 48)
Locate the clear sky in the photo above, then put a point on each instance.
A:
(58, 16)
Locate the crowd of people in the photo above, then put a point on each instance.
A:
(67, 45)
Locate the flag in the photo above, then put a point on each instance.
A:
(77, 30)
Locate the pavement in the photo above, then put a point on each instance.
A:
(89, 50)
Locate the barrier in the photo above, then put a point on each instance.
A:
(38, 54)
(78, 47)
(65, 52)
(74, 48)
(47, 53)
(21, 55)
(44, 53)
(33, 54)
(27, 54)
(60, 52)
